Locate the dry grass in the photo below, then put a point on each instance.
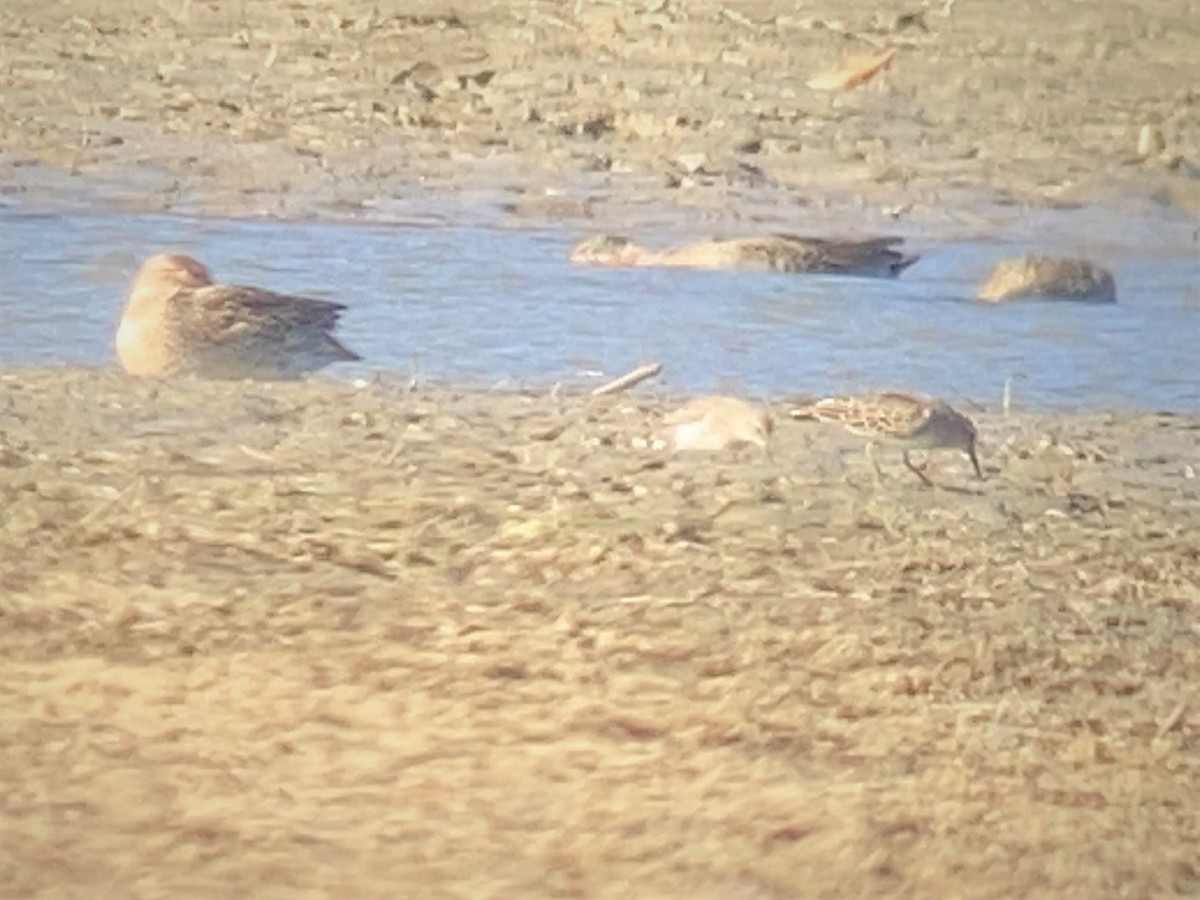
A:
(286, 640)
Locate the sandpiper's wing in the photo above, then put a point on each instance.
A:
(900, 413)
(874, 243)
(238, 331)
(866, 256)
(779, 253)
(829, 409)
(235, 312)
(890, 413)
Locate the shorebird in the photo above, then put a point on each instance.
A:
(714, 423)
(177, 321)
(1049, 277)
(895, 417)
(870, 257)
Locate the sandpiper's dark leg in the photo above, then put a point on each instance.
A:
(975, 463)
(916, 470)
(869, 450)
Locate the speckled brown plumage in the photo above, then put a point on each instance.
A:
(870, 257)
(177, 321)
(1047, 277)
(915, 422)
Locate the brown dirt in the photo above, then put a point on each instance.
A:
(555, 109)
(291, 640)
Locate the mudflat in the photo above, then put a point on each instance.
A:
(600, 111)
(381, 640)
(262, 640)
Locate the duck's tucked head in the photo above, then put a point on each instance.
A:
(171, 270)
(142, 345)
(607, 250)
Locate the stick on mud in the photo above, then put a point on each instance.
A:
(628, 380)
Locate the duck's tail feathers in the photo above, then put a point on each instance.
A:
(340, 351)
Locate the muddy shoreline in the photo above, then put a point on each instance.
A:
(263, 640)
(489, 643)
(655, 113)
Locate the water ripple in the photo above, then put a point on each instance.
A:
(488, 305)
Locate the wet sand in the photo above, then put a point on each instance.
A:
(292, 639)
(668, 113)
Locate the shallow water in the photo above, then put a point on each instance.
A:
(491, 305)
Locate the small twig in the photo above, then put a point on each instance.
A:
(392, 455)
(1173, 718)
(258, 454)
(628, 380)
(109, 503)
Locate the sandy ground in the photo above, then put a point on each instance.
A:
(291, 640)
(600, 111)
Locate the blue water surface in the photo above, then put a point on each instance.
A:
(490, 305)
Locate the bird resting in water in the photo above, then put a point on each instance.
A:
(1049, 277)
(906, 419)
(868, 257)
(177, 321)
